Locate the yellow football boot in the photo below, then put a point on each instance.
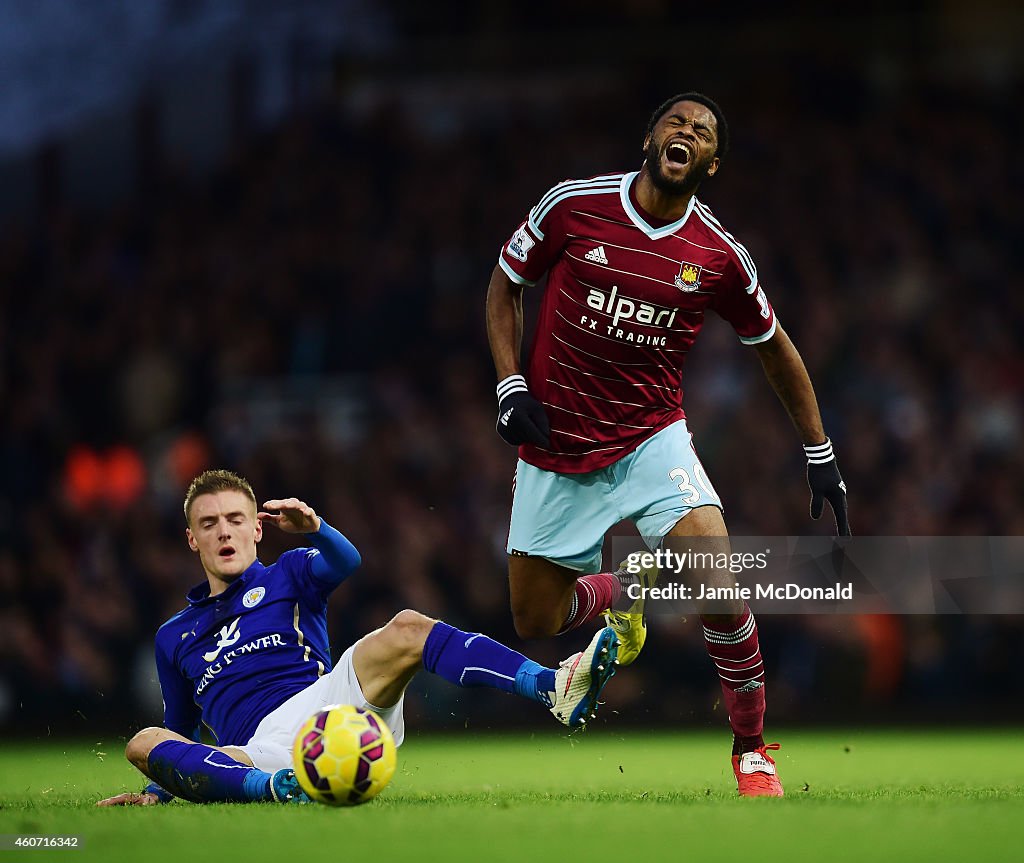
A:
(631, 625)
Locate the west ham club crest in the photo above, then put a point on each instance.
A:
(688, 277)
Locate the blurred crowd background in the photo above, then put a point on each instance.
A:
(287, 279)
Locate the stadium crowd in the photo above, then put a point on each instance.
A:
(312, 316)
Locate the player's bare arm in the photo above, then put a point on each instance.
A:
(505, 323)
(290, 515)
(521, 418)
(788, 376)
(131, 798)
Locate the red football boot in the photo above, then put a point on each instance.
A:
(755, 773)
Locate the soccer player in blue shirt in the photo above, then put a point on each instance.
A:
(249, 656)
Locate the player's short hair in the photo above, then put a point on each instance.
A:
(213, 481)
(707, 102)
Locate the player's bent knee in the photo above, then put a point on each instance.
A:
(530, 630)
(534, 623)
(540, 594)
(407, 632)
(138, 748)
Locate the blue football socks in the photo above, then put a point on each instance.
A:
(535, 681)
(473, 659)
(202, 774)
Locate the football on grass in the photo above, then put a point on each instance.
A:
(344, 755)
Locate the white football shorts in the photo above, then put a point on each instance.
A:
(270, 746)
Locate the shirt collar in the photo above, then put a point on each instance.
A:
(638, 220)
(200, 594)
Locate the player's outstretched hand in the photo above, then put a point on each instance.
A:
(521, 418)
(131, 798)
(827, 484)
(290, 515)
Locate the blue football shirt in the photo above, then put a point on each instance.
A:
(229, 660)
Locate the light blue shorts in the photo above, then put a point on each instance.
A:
(563, 517)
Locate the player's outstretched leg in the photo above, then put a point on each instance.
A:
(206, 774)
(386, 660)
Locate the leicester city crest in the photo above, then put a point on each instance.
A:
(688, 277)
(254, 597)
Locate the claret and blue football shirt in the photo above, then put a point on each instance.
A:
(626, 296)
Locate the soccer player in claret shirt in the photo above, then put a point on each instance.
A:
(634, 263)
(249, 656)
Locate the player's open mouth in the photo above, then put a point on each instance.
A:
(227, 551)
(677, 154)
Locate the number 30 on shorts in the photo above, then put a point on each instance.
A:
(691, 494)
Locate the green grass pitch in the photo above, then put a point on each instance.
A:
(851, 796)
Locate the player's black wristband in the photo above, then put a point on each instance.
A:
(826, 483)
(521, 418)
(162, 795)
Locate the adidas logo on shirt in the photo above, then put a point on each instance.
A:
(597, 255)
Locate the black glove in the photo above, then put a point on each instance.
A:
(826, 484)
(521, 418)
